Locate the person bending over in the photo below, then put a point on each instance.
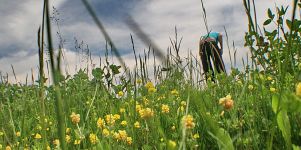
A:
(208, 48)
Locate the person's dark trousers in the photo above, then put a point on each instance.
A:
(210, 49)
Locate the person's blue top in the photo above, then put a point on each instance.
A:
(213, 35)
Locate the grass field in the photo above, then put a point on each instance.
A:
(257, 107)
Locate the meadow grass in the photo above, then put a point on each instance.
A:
(170, 108)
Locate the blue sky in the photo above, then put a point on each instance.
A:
(20, 22)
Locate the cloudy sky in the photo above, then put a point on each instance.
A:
(20, 21)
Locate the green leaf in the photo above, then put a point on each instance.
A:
(275, 103)
(223, 139)
(97, 73)
(285, 127)
(115, 69)
(296, 147)
(267, 22)
(289, 24)
(270, 14)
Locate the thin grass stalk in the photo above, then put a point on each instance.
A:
(205, 16)
(289, 53)
(42, 79)
(55, 73)
(14, 73)
(104, 32)
(145, 39)
(32, 77)
(227, 41)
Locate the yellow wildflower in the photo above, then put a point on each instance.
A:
(75, 118)
(269, 78)
(93, 138)
(183, 103)
(18, 134)
(188, 121)
(226, 102)
(138, 107)
(174, 92)
(77, 142)
(149, 85)
(196, 136)
(56, 142)
(110, 119)
(105, 132)
(116, 117)
(38, 136)
(165, 108)
(137, 124)
(1, 146)
(152, 90)
(68, 138)
(129, 140)
(250, 87)
(1, 133)
(139, 81)
(146, 113)
(122, 135)
(100, 123)
(298, 89)
(120, 94)
(123, 123)
(48, 148)
(273, 90)
(7, 148)
(68, 130)
(121, 110)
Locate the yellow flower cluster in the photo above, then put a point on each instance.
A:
(121, 135)
(174, 92)
(122, 110)
(138, 107)
(123, 123)
(110, 119)
(93, 138)
(273, 90)
(137, 124)
(226, 102)
(18, 134)
(298, 89)
(77, 142)
(105, 132)
(68, 138)
(165, 108)
(150, 87)
(146, 113)
(56, 142)
(75, 118)
(100, 123)
(188, 122)
(38, 136)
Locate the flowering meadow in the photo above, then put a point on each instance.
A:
(257, 106)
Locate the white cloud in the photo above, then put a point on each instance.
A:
(157, 19)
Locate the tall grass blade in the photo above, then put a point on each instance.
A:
(55, 76)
